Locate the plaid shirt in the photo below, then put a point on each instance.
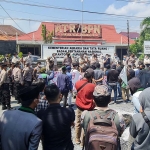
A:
(43, 104)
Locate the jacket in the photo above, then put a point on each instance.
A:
(20, 130)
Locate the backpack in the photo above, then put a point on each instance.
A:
(102, 133)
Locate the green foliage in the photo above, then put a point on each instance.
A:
(144, 36)
(1, 58)
(141, 57)
(20, 54)
(47, 35)
(136, 47)
(145, 33)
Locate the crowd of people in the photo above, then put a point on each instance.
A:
(42, 117)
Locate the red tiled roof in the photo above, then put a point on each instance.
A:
(132, 35)
(109, 34)
(9, 30)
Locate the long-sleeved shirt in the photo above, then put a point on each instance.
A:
(27, 74)
(3, 77)
(63, 83)
(17, 75)
(70, 79)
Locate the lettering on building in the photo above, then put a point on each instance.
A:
(78, 30)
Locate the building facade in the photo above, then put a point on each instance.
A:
(87, 36)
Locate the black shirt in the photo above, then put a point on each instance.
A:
(112, 76)
(57, 127)
(107, 62)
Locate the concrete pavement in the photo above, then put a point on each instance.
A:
(120, 108)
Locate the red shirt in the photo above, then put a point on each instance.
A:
(84, 98)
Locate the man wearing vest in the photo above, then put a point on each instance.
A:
(84, 100)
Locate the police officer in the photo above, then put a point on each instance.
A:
(18, 81)
(36, 70)
(27, 74)
(4, 83)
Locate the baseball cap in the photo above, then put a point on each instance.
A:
(101, 90)
(89, 72)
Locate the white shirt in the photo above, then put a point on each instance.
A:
(15, 59)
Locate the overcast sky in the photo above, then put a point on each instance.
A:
(37, 14)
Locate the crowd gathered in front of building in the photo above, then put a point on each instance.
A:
(43, 116)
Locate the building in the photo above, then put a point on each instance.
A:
(93, 35)
(7, 45)
(132, 35)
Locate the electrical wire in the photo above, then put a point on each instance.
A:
(68, 9)
(14, 21)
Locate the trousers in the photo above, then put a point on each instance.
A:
(79, 132)
(17, 88)
(5, 95)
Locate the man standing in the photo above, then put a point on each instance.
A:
(18, 81)
(112, 79)
(70, 84)
(106, 62)
(28, 59)
(4, 84)
(27, 75)
(116, 59)
(36, 70)
(67, 60)
(54, 59)
(63, 84)
(15, 58)
(84, 101)
(21, 129)
(98, 74)
(57, 121)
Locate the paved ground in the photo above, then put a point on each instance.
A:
(120, 108)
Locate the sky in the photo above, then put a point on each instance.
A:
(35, 15)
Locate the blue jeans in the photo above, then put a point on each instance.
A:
(114, 88)
(119, 90)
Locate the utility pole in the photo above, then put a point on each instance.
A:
(128, 37)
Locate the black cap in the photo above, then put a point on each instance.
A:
(90, 72)
(29, 93)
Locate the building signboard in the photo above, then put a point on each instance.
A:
(77, 30)
(61, 50)
(146, 47)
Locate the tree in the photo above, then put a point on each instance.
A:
(136, 47)
(47, 35)
(145, 33)
(144, 36)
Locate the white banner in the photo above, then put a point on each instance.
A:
(123, 75)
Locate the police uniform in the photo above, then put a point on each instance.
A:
(36, 72)
(18, 82)
(27, 76)
(4, 83)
